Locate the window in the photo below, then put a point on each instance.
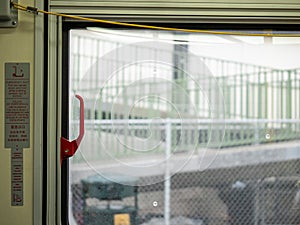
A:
(183, 128)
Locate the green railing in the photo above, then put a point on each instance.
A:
(249, 91)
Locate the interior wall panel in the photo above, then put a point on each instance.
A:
(16, 45)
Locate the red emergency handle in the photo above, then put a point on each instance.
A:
(69, 148)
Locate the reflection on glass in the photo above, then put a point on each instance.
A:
(184, 129)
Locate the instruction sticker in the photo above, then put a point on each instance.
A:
(17, 105)
(17, 123)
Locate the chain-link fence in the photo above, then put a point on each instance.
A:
(182, 178)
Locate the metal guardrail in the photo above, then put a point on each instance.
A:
(249, 91)
(146, 137)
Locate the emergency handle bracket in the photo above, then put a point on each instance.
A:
(69, 148)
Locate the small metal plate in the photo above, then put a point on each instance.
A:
(9, 16)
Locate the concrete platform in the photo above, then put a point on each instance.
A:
(212, 166)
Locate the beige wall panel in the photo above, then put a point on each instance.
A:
(16, 45)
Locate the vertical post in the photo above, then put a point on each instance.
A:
(167, 180)
(257, 203)
(256, 133)
(289, 103)
(259, 100)
(281, 96)
(234, 94)
(180, 60)
(241, 91)
(289, 96)
(266, 105)
(136, 206)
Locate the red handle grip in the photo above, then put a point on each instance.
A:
(69, 148)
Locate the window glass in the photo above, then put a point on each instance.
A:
(184, 129)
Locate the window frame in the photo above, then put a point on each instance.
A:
(57, 200)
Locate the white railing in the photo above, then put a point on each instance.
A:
(129, 138)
